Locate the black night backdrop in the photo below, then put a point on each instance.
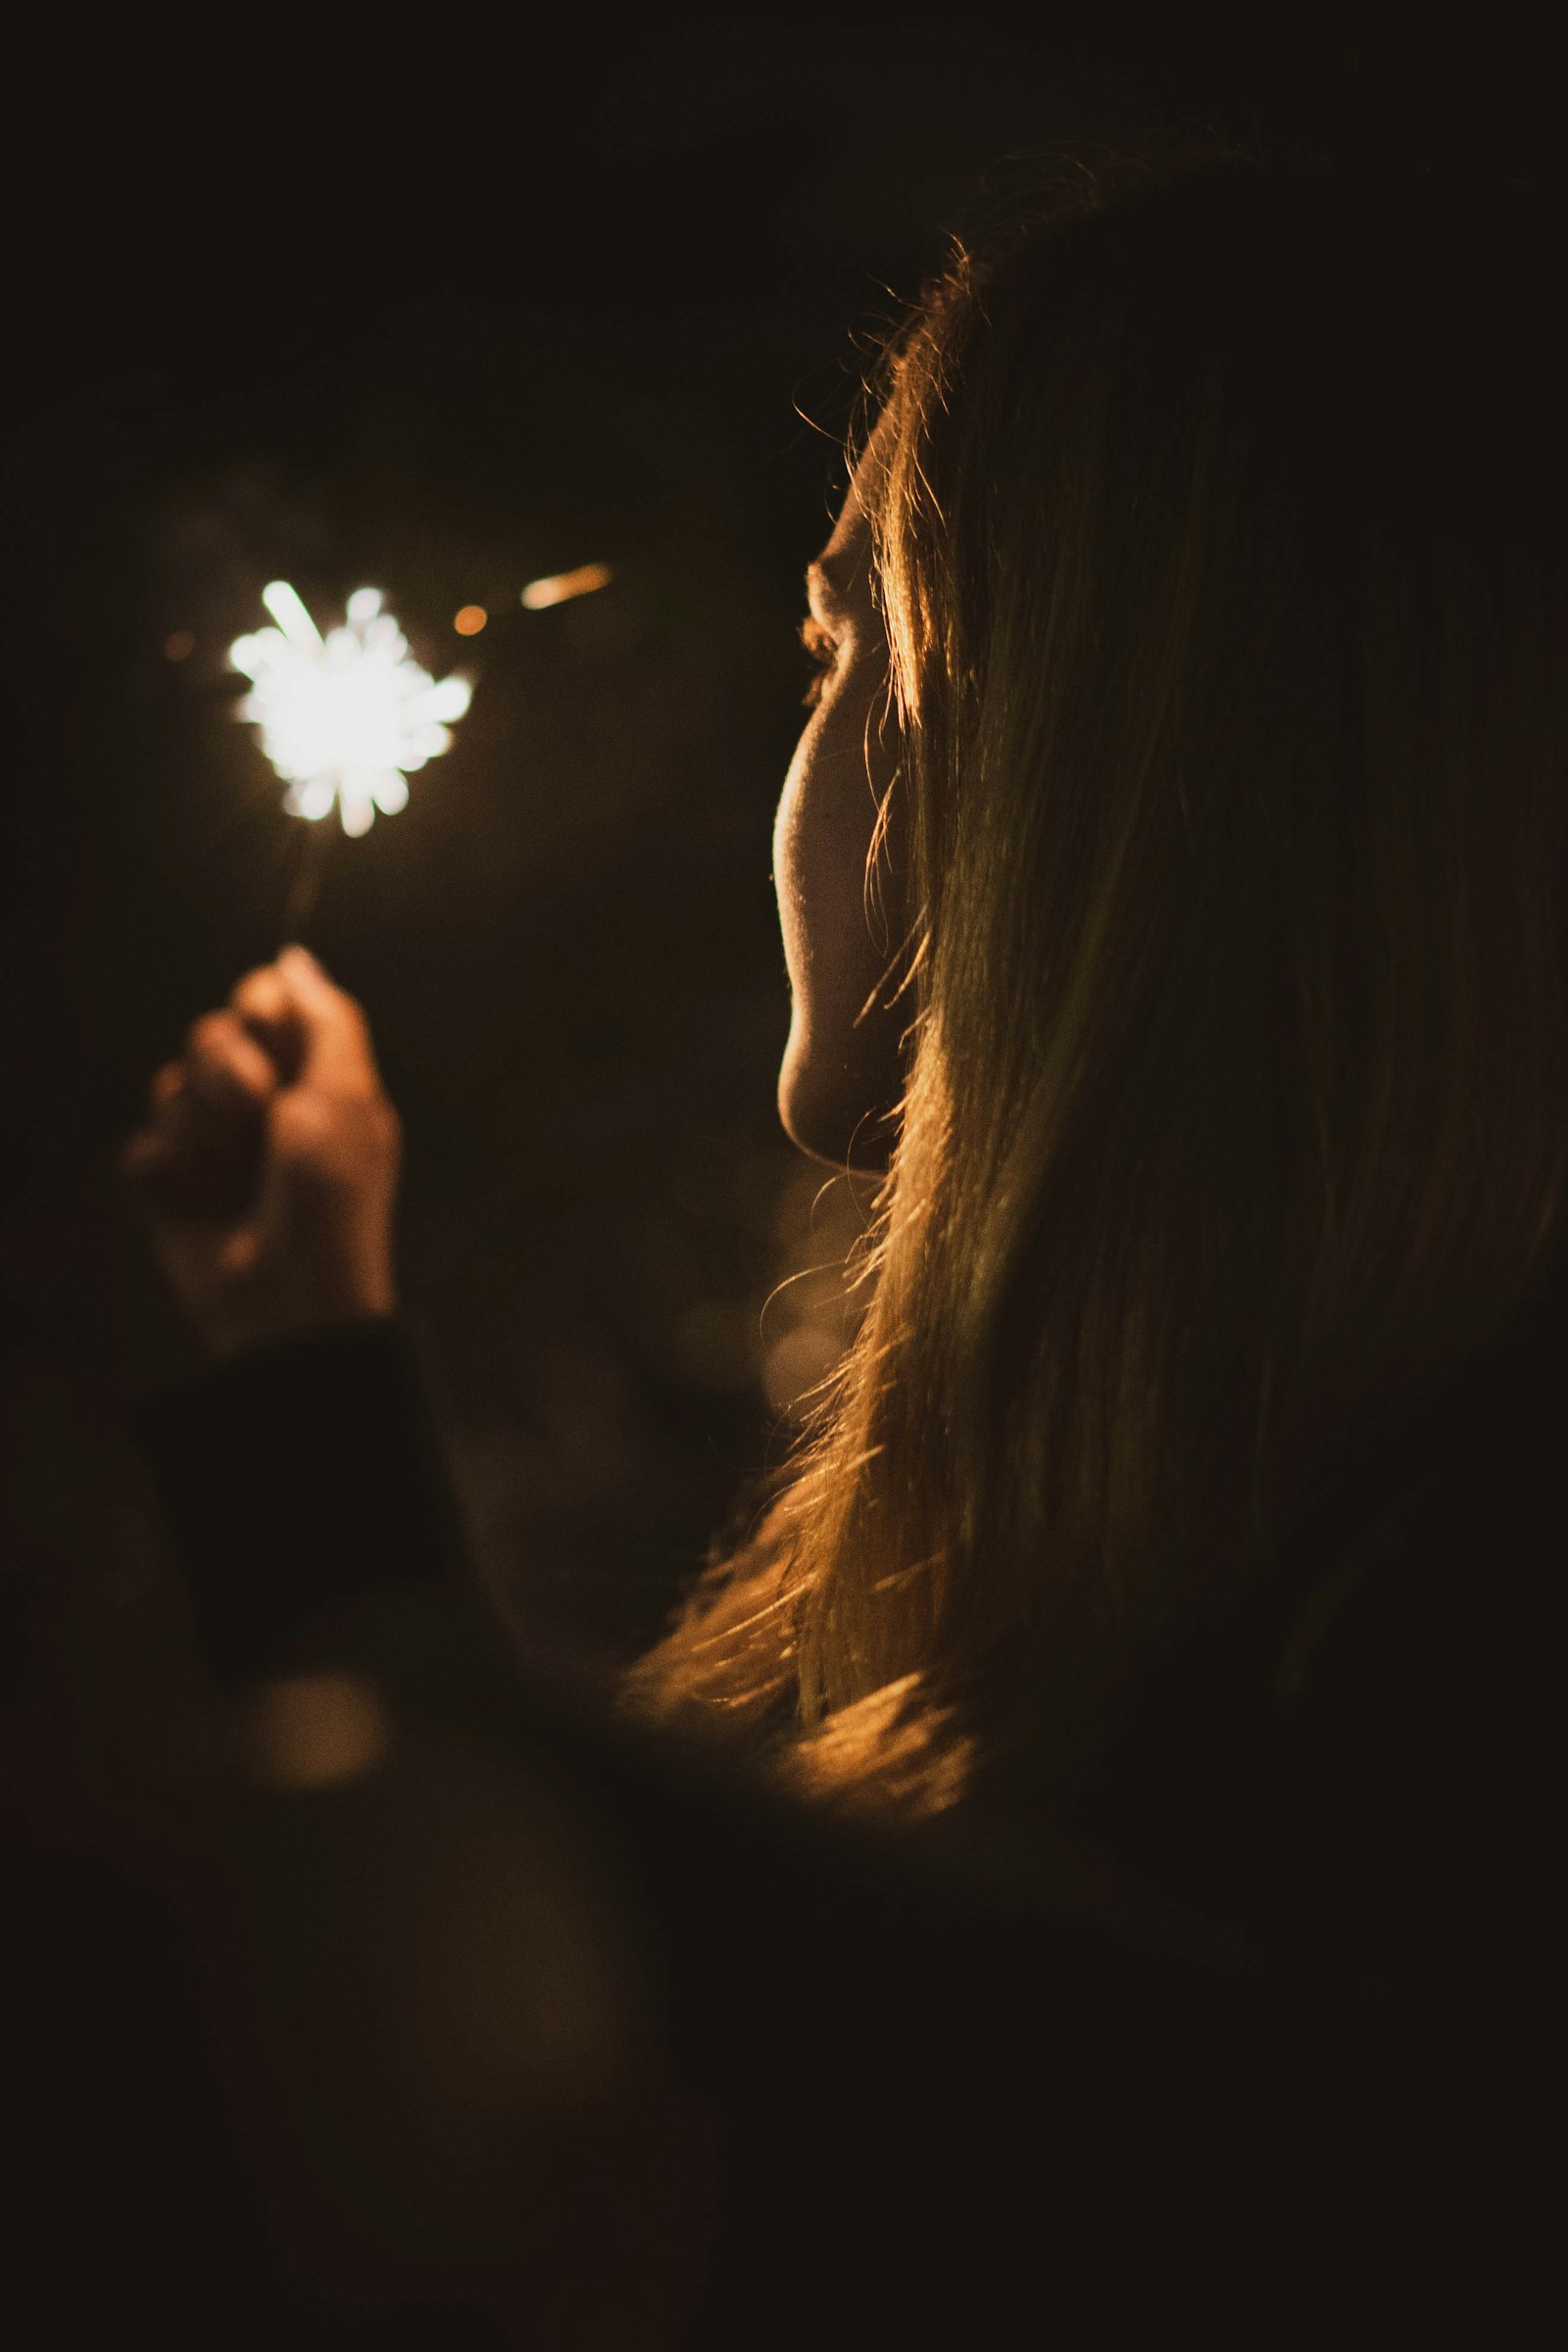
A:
(475, 301)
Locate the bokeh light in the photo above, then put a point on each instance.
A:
(314, 1730)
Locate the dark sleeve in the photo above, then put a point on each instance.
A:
(1425, 1755)
(1418, 1854)
(297, 1481)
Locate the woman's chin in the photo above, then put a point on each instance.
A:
(829, 1118)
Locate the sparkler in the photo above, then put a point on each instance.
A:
(345, 719)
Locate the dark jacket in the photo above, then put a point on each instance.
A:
(934, 2099)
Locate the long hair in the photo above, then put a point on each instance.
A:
(1222, 545)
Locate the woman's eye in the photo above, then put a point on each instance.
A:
(824, 652)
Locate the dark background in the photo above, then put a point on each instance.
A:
(443, 307)
(441, 303)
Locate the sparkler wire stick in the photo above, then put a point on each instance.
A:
(306, 887)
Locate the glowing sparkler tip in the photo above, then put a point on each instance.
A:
(346, 717)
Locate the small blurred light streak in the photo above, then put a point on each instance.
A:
(178, 645)
(469, 619)
(314, 1730)
(559, 585)
(346, 717)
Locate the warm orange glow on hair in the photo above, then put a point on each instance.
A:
(1219, 541)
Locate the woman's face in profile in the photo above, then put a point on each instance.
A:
(841, 1065)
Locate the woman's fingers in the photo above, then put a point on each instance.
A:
(217, 1093)
(142, 1157)
(267, 1163)
(313, 1031)
(286, 1024)
(197, 1151)
(182, 1177)
(226, 1069)
(267, 1011)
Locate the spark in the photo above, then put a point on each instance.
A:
(348, 717)
(559, 585)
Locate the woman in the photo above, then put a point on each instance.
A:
(1171, 877)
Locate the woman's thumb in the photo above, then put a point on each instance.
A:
(337, 1056)
(299, 962)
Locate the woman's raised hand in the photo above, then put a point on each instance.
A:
(268, 1165)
